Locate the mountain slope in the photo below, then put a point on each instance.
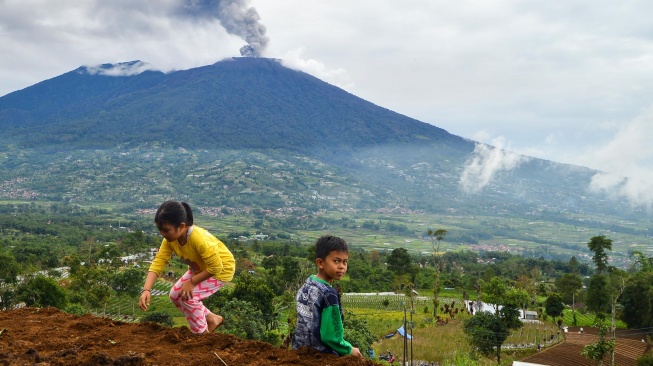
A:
(251, 132)
(239, 103)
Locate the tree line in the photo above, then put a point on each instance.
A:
(35, 241)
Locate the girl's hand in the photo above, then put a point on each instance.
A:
(144, 301)
(186, 292)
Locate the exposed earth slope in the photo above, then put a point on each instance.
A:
(32, 336)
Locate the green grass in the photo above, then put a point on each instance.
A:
(445, 342)
(585, 319)
(123, 308)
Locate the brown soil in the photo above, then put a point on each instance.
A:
(31, 336)
(628, 348)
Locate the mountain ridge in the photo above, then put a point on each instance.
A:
(256, 107)
(220, 102)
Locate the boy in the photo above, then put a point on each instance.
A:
(319, 315)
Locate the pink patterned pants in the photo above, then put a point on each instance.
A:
(193, 309)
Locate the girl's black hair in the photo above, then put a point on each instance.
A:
(328, 244)
(173, 213)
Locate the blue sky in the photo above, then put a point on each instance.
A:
(569, 81)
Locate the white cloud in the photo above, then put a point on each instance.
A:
(626, 162)
(486, 161)
(120, 69)
(337, 76)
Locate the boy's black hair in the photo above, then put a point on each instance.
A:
(173, 213)
(328, 244)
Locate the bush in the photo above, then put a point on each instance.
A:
(159, 318)
(75, 309)
(273, 337)
(358, 333)
(646, 360)
(243, 320)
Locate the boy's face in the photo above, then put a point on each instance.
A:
(333, 267)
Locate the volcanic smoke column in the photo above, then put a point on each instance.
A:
(237, 18)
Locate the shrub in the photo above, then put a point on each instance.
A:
(75, 309)
(358, 333)
(646, 360)
(159, 318)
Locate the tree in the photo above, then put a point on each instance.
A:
(7, 297)
(98, 295)
(437, 235)
(598, 350)
(599, 245)
(254, 291)
(90, 286)
(399, 261)
(291, 269)
(642, 262)
(42, 291)
(573, 265)
(9, 268)
(495, 292)
(568, 286)
(554, 305)
(109, 256)
(618, 280)
(597, 296)
(637, 307)
(128, 282)
(488, 331)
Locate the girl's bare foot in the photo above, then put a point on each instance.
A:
(213, 321)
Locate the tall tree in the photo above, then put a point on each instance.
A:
(618, 281)
(554, 305)
(568, 286)
(597, 296)
(598, 245)
(637, 307)
(573, 265)
(437, 235)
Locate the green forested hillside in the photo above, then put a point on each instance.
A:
(241, 103)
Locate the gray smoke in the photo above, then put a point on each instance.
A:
(237, 18)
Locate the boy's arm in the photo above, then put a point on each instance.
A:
(332, 332)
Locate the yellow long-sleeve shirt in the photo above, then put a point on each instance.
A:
(203, 251)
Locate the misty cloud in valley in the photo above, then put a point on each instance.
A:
(485, 163)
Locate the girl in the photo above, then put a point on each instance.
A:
(210, 265)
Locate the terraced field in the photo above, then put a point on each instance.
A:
(627, 350)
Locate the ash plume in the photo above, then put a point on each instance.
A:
(237, 18)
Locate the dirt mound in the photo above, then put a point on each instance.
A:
(31, 336)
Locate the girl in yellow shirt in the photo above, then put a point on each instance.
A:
(210, 265)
